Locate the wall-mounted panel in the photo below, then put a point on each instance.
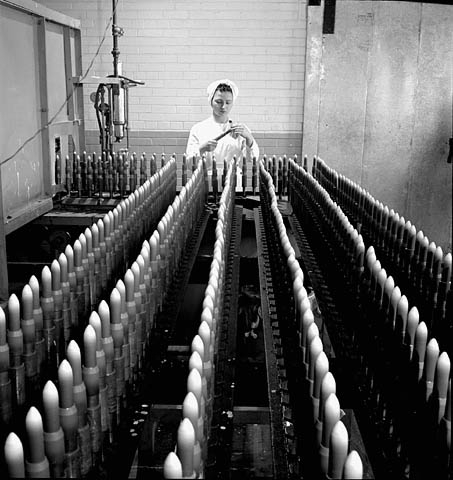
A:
(56, 78)
(344, 78)
(38, 62)
(22, 177)
(313, 57)
(430, 176)
(385, 106)
(391, 99)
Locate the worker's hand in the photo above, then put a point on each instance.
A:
(241, 130)
(208, 146)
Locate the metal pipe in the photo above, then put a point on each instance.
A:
(115, 33)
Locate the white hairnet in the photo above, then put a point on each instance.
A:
(212, 87)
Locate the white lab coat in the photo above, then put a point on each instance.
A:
(227, 147)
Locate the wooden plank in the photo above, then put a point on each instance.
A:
(313, 76)
(251, 414)
(64, 128)
(94, 80)
(277, 434)
(28, 213)
(42, 65)
(3, 260)
(258, 445)
(68, 72)
(35, 8)
(78, 92)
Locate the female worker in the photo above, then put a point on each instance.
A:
(204, 136)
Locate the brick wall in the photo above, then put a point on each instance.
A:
(177, 47)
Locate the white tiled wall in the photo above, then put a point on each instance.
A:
(177, 47)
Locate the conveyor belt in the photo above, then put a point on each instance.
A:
(221, 436)
(274, 365)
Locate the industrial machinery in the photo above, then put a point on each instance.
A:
(111, 99)
(174, 327)
(239, 329)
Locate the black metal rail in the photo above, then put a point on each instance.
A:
(279, 408)
(221, 435)
(327, 314)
